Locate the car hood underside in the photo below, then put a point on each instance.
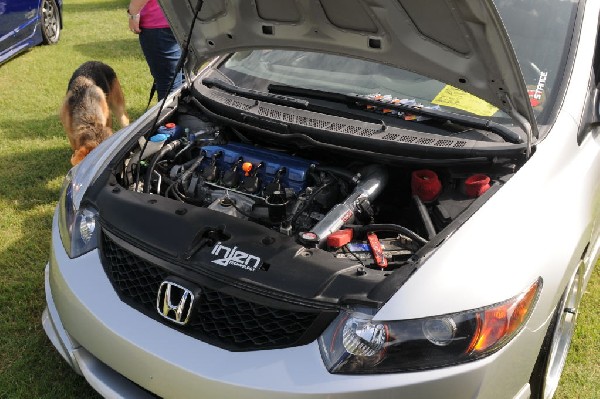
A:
(460, 42)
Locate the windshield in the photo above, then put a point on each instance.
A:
(539, 29)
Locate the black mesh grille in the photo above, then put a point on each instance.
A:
(247, 324)
(132, 277)
(220, 319)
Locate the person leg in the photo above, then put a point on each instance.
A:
(162, 52)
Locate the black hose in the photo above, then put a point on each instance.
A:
(188, 146)
(186, 174)
(424, 217)
(292, 219)
(350, 177)
(158, 156)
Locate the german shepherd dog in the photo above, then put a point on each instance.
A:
(93, 92)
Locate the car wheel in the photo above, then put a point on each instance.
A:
(50, 21)
(551, 359)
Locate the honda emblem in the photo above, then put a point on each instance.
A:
(174, 302)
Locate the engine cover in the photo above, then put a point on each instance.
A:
(266, 165)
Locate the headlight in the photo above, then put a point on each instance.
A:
(78, 227)
(356, 344)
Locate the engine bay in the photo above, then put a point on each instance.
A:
(362, 211)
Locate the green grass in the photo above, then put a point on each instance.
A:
(581, 377)
(34, 156)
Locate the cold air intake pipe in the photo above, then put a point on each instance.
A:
(372, 181)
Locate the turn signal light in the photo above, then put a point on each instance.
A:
(504, 320)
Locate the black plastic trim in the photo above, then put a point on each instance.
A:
(242, 113)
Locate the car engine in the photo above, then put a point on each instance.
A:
(369, 212)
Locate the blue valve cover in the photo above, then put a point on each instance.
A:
(295, 168)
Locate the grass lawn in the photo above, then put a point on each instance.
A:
(34, 157)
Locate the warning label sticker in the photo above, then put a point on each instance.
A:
(450, 96)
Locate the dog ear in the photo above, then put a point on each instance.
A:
(81, 153)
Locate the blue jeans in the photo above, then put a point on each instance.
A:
(162, 53)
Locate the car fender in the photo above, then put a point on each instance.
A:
(537, 225)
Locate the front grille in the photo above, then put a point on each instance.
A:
(220, 319)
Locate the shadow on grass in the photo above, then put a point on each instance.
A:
(24, 176)
(26, 354)
(30, 366)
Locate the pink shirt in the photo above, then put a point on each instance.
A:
(152, 17)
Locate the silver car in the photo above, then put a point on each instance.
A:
(347, 199)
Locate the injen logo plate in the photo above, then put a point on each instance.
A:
(235, 257)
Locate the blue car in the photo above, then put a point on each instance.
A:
(27, 23)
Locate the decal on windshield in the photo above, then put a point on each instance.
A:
(537, 96)
(450, 96)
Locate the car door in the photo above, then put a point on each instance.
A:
(18, 20)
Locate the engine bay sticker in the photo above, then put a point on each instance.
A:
(234, 257)
(450, 96)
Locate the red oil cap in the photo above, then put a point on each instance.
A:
(425, 184)
(339, 238)
(476, 185)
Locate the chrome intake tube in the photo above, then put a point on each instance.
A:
(373, 180)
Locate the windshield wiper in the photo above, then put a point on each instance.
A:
(255, 94)
(360, 101)
(286, 100)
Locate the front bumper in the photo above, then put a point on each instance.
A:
(123, 353)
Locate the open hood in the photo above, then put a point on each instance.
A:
(459, 42)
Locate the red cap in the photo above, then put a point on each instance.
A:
(425, 184)
(476, 185)
(339, 238)
(170, 125)
(247, 167)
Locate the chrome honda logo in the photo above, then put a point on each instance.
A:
(174, 302)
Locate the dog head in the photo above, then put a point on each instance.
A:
(81, 153)
(88, 141)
